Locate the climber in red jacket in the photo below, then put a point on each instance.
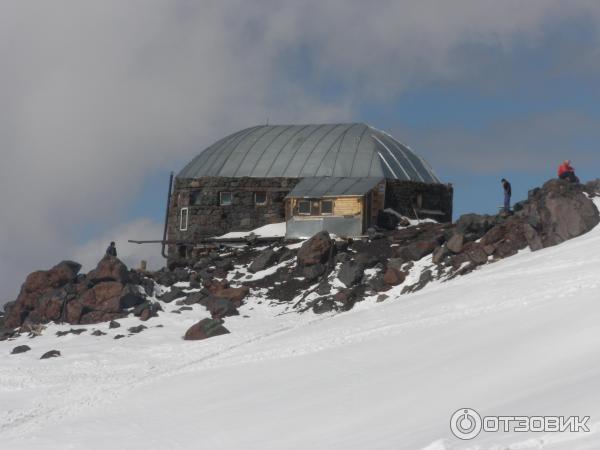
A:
(566, 172)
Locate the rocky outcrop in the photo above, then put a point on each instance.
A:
(61, 294)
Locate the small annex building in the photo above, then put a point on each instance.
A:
(344, 206)
(336, 177)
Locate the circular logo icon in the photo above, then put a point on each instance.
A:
(465, 423)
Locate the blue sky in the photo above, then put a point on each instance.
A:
(99, 101)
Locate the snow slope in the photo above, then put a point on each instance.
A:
(518, 337)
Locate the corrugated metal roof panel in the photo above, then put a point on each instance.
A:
(316, 187)
(296, 151)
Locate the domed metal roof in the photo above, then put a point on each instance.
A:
(298, 151)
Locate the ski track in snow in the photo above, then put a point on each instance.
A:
(99, 373)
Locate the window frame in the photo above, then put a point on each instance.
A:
(321, 207)
(195, 197)
(221, 203)
(187, 216)
(300, 213)
(256, 202)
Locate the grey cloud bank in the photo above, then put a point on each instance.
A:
(94, 95)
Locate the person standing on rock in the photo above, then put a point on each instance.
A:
(111, 250)
(507, 194)
(566, 172)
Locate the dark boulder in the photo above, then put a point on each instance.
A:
(109, 268)
(219, 307)
(377, 284)
(455, 243)
(20, 349)
(313, 271)
(130, 297)
(345, 298)
(317, 250)
(51, 354)
(234, 295)
(323, 305)
(351, 273)
(366, 260)
(440, 254)
(114, 324)
(387, 220)
(204, 329)
(474, 226)
(342, 257)
(264, 260)
(323, 288)
(173, 294)
(137, 329)
(417, 250)
(181, 274)
(425, 278)
(75, 331)
(393, 276)
(194, 297)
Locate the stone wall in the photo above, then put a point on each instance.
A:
(406, 196)
(207, 217)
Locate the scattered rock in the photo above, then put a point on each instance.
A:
(455, 243)
(98, 333)
(137, 329)
(393, 276)
(204, 329)
(51, 354)
(114, 324)
(119, 336)
(219, 307)
(173, 294)
(264, 260)
(351, 273)
(76, 331)
(20, 349)
(323, 288)
(417, 250)
(313, 272)
(323, 305)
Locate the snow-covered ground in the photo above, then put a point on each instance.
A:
(271, 230)
(517, 337)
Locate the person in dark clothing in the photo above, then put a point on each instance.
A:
(507, 193)
(112, 250)
(567, 172)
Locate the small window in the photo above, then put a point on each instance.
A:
(195, 198)
(225, 198)
(327, 207)
(183, 219)
(304, 207)
(260, 198)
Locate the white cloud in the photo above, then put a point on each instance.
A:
(94, 95)
(131, 254)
